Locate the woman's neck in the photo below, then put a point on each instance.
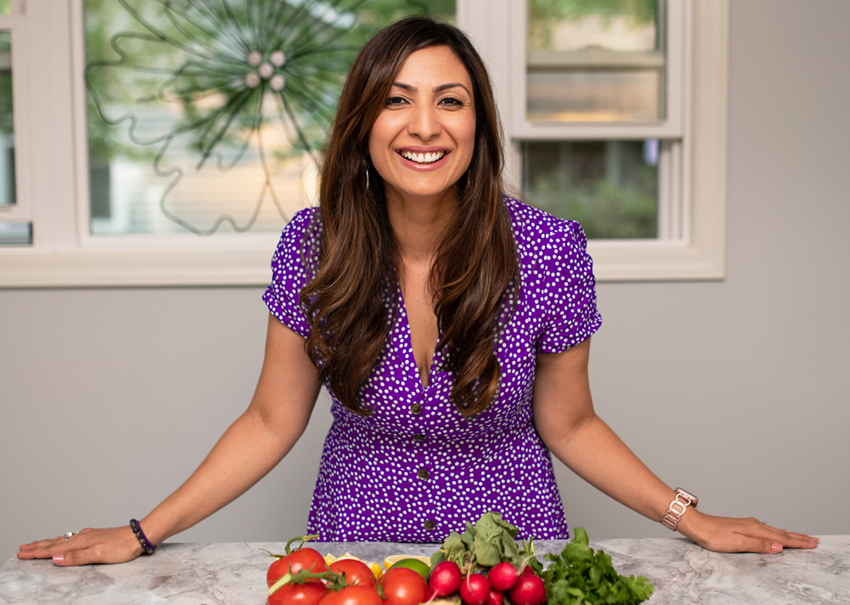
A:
(419, 224)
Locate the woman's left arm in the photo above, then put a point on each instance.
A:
(567, 424)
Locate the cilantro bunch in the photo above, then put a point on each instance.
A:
(582, 576)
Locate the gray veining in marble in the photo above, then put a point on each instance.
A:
(234, 574)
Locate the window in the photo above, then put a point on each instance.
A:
(616, 113)
(206, 118)
(602, 63)
(88, 207)
(15, 227)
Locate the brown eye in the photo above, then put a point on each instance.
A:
(452, 101)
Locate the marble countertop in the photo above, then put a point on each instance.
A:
(234, 574)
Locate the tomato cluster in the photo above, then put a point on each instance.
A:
(358, 586)
(303, 577)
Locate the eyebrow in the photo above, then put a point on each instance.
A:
(439, 88)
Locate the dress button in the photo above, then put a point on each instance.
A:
(429, 525)
(423, 474)
(419, 437)
(416, 409)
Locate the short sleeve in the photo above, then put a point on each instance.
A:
(291, 271)
(570, 289)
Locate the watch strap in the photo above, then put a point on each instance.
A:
(677, 508)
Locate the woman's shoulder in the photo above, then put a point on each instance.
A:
(304, 226)
(536, 230)
(304, 221)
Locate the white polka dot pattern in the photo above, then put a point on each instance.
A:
(416, 469)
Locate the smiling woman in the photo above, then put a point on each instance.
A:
(418, 87)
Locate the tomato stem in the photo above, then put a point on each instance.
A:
(302, 576)
(302, 538)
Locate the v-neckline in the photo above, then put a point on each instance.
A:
(409, 356)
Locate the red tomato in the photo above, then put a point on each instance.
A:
(303, 558)
(352, 595)
(356, 572)
(302, 594)
(403, 586)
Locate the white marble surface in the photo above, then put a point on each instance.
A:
(234, 574)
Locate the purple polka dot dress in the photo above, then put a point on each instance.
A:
(416, 469)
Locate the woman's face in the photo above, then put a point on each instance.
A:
(422, 142)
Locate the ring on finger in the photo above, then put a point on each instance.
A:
(68, 535)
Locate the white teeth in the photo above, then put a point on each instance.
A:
(423, 158)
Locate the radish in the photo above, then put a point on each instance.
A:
(503, 576)
(475, 589)
(495, 598)
(445, 579)
(529, 590)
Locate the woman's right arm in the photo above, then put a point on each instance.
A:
(250, 448)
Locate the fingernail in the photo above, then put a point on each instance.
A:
(777, 547)
(58, 559)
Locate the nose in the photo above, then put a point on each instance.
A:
(424, 122)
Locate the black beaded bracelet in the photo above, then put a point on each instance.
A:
(141, 537)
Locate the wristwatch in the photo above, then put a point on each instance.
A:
(677, 508)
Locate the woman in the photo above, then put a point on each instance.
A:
(414, 245)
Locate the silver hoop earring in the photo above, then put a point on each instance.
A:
(367, 178)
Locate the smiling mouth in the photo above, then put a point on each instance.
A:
(423, 158)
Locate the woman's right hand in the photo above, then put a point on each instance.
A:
(112, 545)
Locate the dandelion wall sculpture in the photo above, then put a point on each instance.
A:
(232, 68)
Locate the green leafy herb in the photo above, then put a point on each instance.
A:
(582, 576)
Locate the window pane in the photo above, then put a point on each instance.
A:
(596, 60)
(15, 234)
(610, 187)
(7, 125)
(208, 116)
(5, 7)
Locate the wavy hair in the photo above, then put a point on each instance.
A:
(351, 299)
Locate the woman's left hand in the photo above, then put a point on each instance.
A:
(726, 534)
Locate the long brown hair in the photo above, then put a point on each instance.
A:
(351, 299)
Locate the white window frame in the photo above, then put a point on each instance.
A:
(52, 171)
(692, 175)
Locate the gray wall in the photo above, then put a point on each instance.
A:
(736, 389)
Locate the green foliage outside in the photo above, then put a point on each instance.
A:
(6, 115)
(606, 210)
(544, 14)
(5, 7)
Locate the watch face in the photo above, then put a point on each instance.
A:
(692, 499)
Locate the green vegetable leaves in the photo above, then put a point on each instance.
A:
(578, 576)
(489, 542)
(493, 540)
(582, 576)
